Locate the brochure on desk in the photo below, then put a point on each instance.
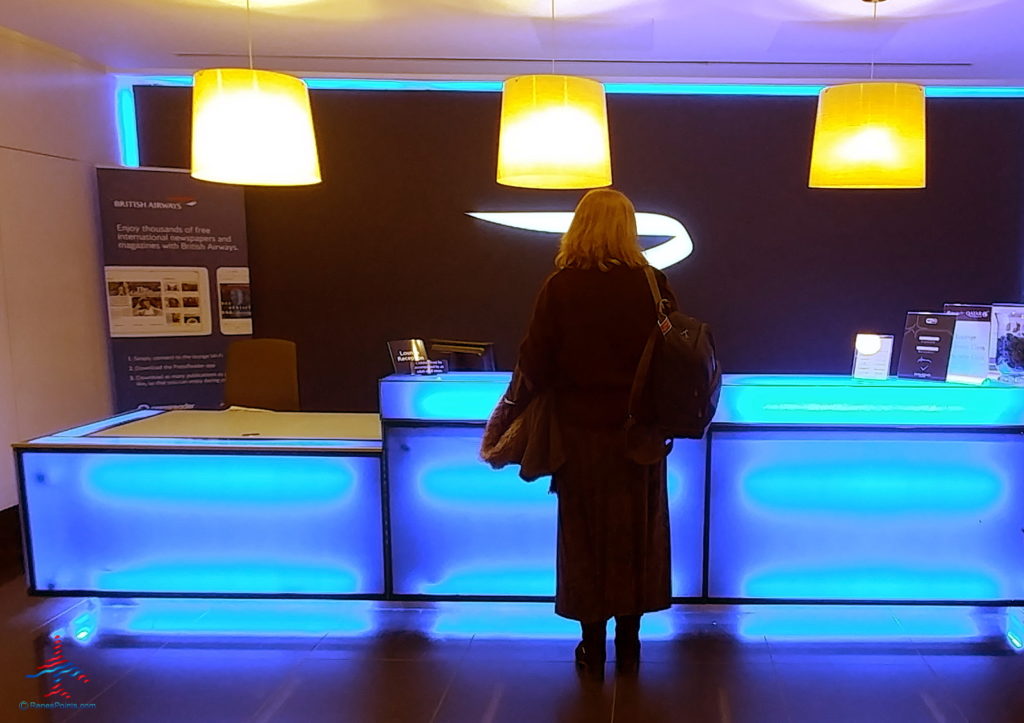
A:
(927, 343)
(176, 284)
(969, 356)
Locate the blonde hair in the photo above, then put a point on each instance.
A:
(602, 233)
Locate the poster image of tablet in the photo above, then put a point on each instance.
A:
(233, 297)
(158, 301)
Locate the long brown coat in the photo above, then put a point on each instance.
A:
(585, 338)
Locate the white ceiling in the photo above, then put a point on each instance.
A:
(974, 42)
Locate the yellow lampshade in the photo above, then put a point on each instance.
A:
(869, 135)
(252, 127)
(554, 133)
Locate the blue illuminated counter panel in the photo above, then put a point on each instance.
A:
(229, 503)
(806, 488)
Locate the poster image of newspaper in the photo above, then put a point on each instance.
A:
(147, 301)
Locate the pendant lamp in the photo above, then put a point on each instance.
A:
(869, 135)
(554, 132)
(252, 127)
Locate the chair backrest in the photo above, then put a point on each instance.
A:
(262, 373)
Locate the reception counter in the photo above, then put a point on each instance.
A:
(229, 503)
(806, 488)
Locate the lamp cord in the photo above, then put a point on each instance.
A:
(554, 38)
(874, 24)
(248, 29)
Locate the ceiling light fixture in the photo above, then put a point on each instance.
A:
(869, 135)
(554, 131)
(252, 127)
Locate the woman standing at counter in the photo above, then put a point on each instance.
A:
(590, 322)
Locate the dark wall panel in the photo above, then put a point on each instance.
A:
(383, 249)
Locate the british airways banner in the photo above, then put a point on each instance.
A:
(176, 284)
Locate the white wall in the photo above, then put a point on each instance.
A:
(56, 124)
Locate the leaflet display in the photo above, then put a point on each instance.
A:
(176, 284)
(927, 342)
(968, 358)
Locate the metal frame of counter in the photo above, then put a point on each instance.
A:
(277, 505)
(806, 489)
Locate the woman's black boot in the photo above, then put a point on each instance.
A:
(590, 653)
(627, 644)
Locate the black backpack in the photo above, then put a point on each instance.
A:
(678, 380)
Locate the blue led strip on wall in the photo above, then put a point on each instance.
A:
(814, 623)
(127, 121)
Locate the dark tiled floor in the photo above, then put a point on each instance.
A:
(274, 662)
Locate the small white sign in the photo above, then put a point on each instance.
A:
(872, 356)
(969, 357)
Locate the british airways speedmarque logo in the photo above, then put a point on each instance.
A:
(678, 246)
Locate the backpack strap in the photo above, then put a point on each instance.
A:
(659, 301)
(663, 325)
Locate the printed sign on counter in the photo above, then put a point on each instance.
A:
(969, 357)
(927, 342)
(405, 353)
(1006, 343)
(872, 356)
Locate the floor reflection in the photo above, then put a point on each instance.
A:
(310, 660)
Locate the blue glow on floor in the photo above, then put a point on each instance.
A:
(232, 576)
(221, 479)
(828, 623)
(258, 617)
(83, 628)
(913, 489)
(500, 621)
(189, 617)
(1015, 628)
(530, 621)
(872, 583)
